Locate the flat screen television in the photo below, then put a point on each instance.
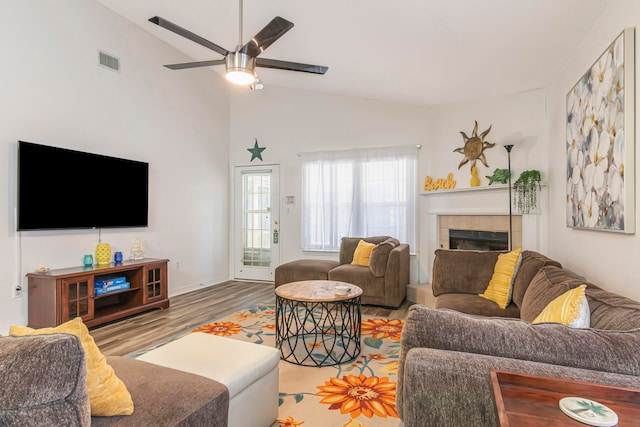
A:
(60, 188)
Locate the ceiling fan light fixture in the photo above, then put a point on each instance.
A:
(240, 68)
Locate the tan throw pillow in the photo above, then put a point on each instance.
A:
(362, 253)
(107, 393)
(500, 287)
(571, 309)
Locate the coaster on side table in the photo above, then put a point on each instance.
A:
(588, 412)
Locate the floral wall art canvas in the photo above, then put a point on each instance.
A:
(601, 142)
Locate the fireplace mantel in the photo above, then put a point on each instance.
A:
(465, 189)
(476, 201)
(493, 187)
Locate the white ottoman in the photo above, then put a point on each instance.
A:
(250, 372)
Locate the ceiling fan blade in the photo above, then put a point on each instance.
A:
(291, 66)
(195, 64)
(265, 38)
(188, 34)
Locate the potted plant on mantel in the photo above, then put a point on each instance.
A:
(526, 190)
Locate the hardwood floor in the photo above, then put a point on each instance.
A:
(193, 309)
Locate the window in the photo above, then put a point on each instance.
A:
(368, 192)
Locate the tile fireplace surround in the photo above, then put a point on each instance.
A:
(478, 209)
(495, 223)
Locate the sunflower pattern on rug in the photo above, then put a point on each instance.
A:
(361, 393)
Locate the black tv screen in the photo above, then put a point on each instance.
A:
(60, 188)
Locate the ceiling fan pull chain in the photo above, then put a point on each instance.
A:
(239, 28)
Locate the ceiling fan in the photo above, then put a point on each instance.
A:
(240, 64)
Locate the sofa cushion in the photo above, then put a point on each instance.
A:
(107, 394)
(531, 263)
(475, 305)
(303, 269)
(168, 397)
(612, 311)
(44, 381)
(462, 271)
(570, 309)
(500, 287)
(380, 256)
(359, 276)
(549, 283)
(362, 253)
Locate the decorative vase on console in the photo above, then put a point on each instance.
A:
(103, 253)
(87, 260)
(137, 250)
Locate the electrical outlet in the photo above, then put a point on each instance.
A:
(177, 265)
(17, 291)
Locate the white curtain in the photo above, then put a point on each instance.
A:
(358, 193)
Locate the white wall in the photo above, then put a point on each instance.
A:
(53, 92)
(607, 259)
(514, 119)
(289, 122)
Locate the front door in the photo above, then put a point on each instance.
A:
(256, 229)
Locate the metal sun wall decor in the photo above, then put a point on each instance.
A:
(600, 142)
(473, 149)
(474, 146)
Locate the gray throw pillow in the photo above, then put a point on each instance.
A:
(44, 381)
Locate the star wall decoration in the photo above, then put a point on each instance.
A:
(256, 151)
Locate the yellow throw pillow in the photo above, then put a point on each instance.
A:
(107, 393)
(362, 253)
(500, 287)
(570, 309)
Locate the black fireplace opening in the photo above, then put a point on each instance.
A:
(479, 240)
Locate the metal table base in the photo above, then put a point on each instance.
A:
(318, 333)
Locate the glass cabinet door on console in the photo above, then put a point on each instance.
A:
(155, 283)
(77, 297)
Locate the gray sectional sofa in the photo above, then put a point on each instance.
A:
(447, 353)
(44, 384)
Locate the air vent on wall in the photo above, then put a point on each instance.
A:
(109, 61)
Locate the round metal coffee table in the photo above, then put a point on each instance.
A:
(314, 325)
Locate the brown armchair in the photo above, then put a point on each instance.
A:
(384, 282)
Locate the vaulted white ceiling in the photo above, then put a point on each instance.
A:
(412, 51)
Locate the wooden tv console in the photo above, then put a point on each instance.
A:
(61, 295)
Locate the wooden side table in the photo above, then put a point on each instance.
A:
(530, 401)
(314, 325)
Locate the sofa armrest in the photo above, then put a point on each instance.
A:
(397, 271)
(432, 380)
(379, 257)
(601, 350)
(44, 381)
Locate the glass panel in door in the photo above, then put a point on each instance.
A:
(257, 232)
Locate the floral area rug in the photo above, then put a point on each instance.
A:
(361, 393)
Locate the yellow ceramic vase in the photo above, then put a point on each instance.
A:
(475, 180)
(103, 253)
